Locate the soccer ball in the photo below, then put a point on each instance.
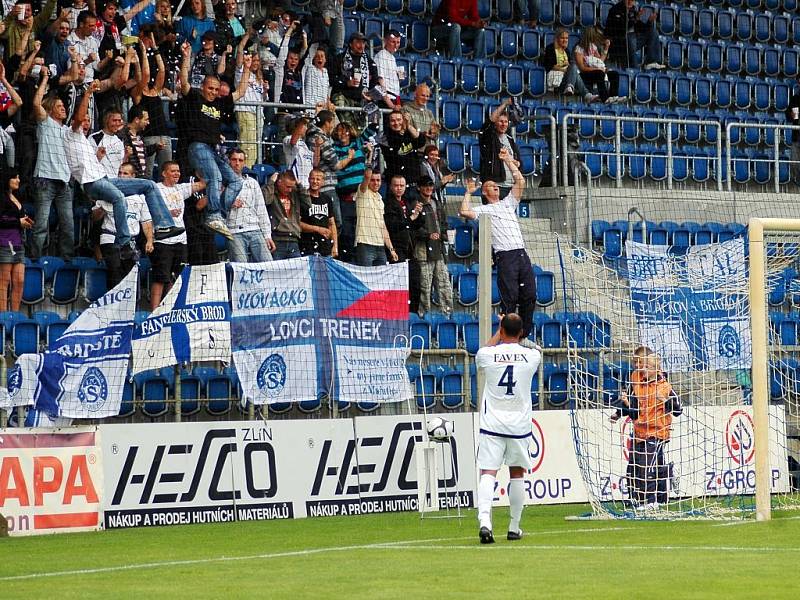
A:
(439, 429)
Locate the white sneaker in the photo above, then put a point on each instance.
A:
(589, 98)
(654, 66)
(621, 99)
(218, 226)
(611, 99)
(569, 90)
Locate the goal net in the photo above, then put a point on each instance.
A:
(661, 389)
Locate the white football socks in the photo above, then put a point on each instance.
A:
(516, 498)
(485, 497)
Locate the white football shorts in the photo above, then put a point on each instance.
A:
(495, 451)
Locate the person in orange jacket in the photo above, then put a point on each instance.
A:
(651, 404)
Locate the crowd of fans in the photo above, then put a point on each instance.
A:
(154, 120)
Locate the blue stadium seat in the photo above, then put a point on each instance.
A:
(686, 20)
(527, 160)
(95, 283)
(66, 282)
(743, 21)
(448, 76)
(451, 388)
(667, 20)
(781, 93)
(663, 88)
(463, 246)
(420, 37)
(467, 287)
(741, 168)
(545, 287)
(531, 48)
(723, 89)
(680, 166)
(675, 49)
(706, 26)
(33, 285)
(190, 394)
(725, 24)
(537, 82)
(373, 28)
(695, 56)
(311, 406)
(54, 331)
(425, 390)
(781, 25)
(417, 8)
(612, 243)
(394, 7)
(567, 13)
(547, 12)
(485, 9)
(790, 56)
(50, 264)
(658, 165)
(771, 59)
(734, 58)
(761, 27)
(715, 57)
(456, 157)
(752, 60)
(475, 158)
(509, 43)
(492, 79)
(558, 385)
(451, 115)
(424, 72)
(153, 388)
(587, 13)
(127, 407)
(643, 86)
(218, 394)
(762, 95)
(742, 91)
(371, 5)
(420, 332)
(447, 334)
(515, 80)
(700, 166)
(470, 77)
(475, 116)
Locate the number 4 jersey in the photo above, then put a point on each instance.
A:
(508, 370)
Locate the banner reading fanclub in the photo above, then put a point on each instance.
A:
(292, 319)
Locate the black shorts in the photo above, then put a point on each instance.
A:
(168, 261)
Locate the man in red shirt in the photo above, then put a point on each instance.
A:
(458, 21)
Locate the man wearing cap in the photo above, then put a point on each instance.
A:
(457, 21)
(352, 74)
(386, 63)
(430, 233)
(207, 62)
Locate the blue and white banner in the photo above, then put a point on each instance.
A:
(192, 324)
(693, 308)
(82, 374)
(308, 327)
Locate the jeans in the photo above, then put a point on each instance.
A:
(648, 40)
(455, 35)
(162, 156)
(337, 209)
(216, 171)
(370, 256)
(48, 191)
(114, 191)
(286, 249)
(347, 233)
(248, 246)
(573, 77)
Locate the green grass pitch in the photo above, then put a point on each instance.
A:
(400, 556)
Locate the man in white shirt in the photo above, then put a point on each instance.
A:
(297, 156)
(87, 45)
(138, 219)
(248, 219)
(505, 421)
(515, 278)
(386, 63)
(107, 138)
(83, 158)
(169, 255)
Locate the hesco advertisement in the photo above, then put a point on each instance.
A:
(164, 474)
(167, 474)
(554, 477)
(50, 482)
(373, 468)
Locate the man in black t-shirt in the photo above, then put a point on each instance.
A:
(319, 235)
(203, 111)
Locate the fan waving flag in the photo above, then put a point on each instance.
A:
(311, 327)
(191, 324)
(82, 374)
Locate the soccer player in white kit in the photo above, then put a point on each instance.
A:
(505, 422)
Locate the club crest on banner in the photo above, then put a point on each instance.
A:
(14, 382)
(271, 377)
(93, 389)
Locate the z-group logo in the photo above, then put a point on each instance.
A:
(194, 473)
(739, 440)
(373, 471)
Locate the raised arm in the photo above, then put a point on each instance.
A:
(141, 84)
(364, 185)
(136, 9)
(241, 46)
(500, 110)
(15, 97)
(519, 180)
(244, 80)
(186, 58)
(38, 110)
(83, 107)
(466, 209)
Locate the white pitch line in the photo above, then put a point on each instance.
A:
(749, 521)
(598, 548)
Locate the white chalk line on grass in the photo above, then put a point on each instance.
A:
(602, 548)
(221, 559)
(749, 521)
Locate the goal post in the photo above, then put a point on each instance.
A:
(758, 284)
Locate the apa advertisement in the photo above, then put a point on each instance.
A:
(50, 482)
(710, 452)
(163, 474)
